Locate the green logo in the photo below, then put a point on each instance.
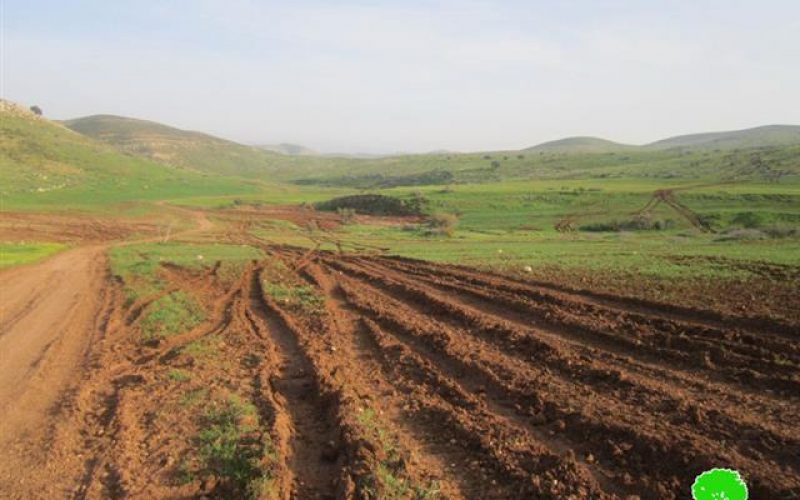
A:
(719, 484)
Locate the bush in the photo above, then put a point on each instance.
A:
(742, 235)
(442, 224)
(373, 204)
(776, 231)
(637, 223)
(748, 220)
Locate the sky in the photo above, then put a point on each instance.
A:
(410, 75)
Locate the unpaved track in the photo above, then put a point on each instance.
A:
(47, 325)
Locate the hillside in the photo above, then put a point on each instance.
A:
(580, 145)
(288, 149)
(768, 135)
(181, 148)
(43, 163)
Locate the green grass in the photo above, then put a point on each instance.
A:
(138, 264)
(45, 167)
(225, 449)
(175, 313)
(206, 347)
(390, 480)
(511, 224)
(305, 298)
(177, 375)
(15, 254)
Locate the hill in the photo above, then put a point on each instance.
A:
(580, 145)
(768, 135)
(288, 149)
(43, 163)
(176, 147)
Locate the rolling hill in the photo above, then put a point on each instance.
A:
(768, 135)
(723, 155)
(43, 163)
(176, 147)
(288, 149)
(580, 145)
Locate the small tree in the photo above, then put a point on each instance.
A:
(495, 165)
(36, 110)
(442, 224)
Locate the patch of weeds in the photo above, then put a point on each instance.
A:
(390, 481)
(184, 473)
(304, 297)
(204, 347)
(193, 397)
(177, 375)
(228, 449)
(172, 314)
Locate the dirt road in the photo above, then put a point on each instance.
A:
(47, 317)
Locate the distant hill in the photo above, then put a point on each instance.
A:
(580, 145)
(288, 149)
(768, 135)
(173, 146)
(43, 163)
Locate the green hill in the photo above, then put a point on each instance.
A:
(768, 135)
(182, 148)
(288, 149)
(580, 145)
(44, 164)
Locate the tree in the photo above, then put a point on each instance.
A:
(36, 110)
(495, 165)
(442, 224)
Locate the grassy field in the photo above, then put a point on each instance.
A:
(508, 204)
(14, 254)
(139, 265)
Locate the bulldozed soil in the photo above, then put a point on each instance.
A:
(390, 377)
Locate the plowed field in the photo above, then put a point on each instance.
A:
(317, 375)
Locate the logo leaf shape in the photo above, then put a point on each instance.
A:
(719, 484)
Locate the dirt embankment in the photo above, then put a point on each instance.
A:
(389, 375)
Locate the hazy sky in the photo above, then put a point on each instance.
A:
(410, 75)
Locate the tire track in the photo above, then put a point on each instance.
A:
(314, 473)
(629, 444)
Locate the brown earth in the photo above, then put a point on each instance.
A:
(71, 228)
(405, 378)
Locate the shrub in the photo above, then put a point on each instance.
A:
(637, 223)
(748, 220)
(742, 235)
(776, 231)
(442, 224)
(373, 204)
